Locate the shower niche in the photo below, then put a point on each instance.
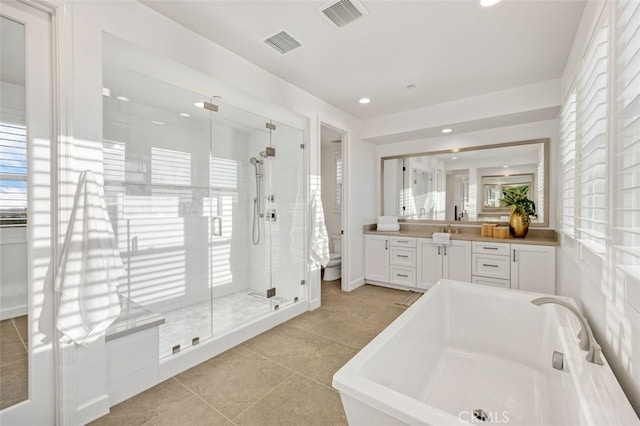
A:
(207, 202)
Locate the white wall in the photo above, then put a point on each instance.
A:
(537, 130)
(332, 216)
(616, 323)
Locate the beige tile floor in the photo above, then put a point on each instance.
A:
(281, 377)
(13, 361)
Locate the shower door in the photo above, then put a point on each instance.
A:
(156, 160)
(286, 212)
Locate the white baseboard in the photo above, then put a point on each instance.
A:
(356, 283)
(12, 312)
(92, 410)
(398, 287)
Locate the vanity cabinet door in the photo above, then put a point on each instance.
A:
(456, 261)
(376, 254)
(429, 263)
(533, 268)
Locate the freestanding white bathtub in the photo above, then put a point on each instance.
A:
(465, 347)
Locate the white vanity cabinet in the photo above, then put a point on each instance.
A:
(376, 255)
(413, 262)
(439, 261)
(533, 268)
(518, 266)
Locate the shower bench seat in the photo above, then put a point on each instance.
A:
(132, 343)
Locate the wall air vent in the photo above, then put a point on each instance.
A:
(282, 41)
(342, 12)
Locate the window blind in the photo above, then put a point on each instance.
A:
(626, 230)
(568, 163)
(591, 218)
(337, 161)
(13, 174)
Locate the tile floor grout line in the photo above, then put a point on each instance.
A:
(295, 371)
(267, 394)
(15, 327)
(202, 399)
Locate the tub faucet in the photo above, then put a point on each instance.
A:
(587, 341)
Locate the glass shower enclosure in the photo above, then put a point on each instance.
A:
(207, 202)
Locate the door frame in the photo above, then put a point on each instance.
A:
(39, 407)
(344, 207)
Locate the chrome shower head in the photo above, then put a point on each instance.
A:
(254, 161)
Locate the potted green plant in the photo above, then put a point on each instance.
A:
(521, 208)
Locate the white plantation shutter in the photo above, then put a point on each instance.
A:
(592, 94)
(626, 231)
(337, 162)
(13, 174)
(568, 163)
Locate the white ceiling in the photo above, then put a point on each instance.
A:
(449, 49)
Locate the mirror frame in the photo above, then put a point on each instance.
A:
(545, 146)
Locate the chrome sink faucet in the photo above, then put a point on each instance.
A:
(587, 341)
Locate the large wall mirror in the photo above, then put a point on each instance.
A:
(466, 184)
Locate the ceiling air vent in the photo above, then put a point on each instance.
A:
(283, 42)
(343, 12)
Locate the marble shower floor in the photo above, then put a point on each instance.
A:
(205, 320)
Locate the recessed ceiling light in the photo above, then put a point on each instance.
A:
(199, 104)
(505, 167)
(184, 114)
(122, 98)
(454, 158)
(446, 130)
(106, 91)
(411, 86)
(159, 123)
(364, 100)
(488, 3)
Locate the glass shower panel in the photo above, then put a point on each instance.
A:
(285, 213)
(240, 245)
(156, 148)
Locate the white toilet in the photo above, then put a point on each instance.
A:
(333, 270)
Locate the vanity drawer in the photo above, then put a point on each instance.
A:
(403, 242)
(490, 248)
(486, 265)
(403, 276)
(491, 281)
(403, 256)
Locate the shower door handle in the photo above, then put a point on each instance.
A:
(216, 230)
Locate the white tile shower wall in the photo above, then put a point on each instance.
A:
(171, 268)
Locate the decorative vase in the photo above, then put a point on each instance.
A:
(518, 225)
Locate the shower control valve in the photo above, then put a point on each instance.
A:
(271, 215)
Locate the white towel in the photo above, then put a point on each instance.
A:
(441, 238)
(387, 219)
(319, 241)
(90, 264)
(388, 227)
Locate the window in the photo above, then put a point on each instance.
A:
(626, 217)
(337, 168)
(568, 163)
(592, 94)
(13, 174)
(170, 167)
